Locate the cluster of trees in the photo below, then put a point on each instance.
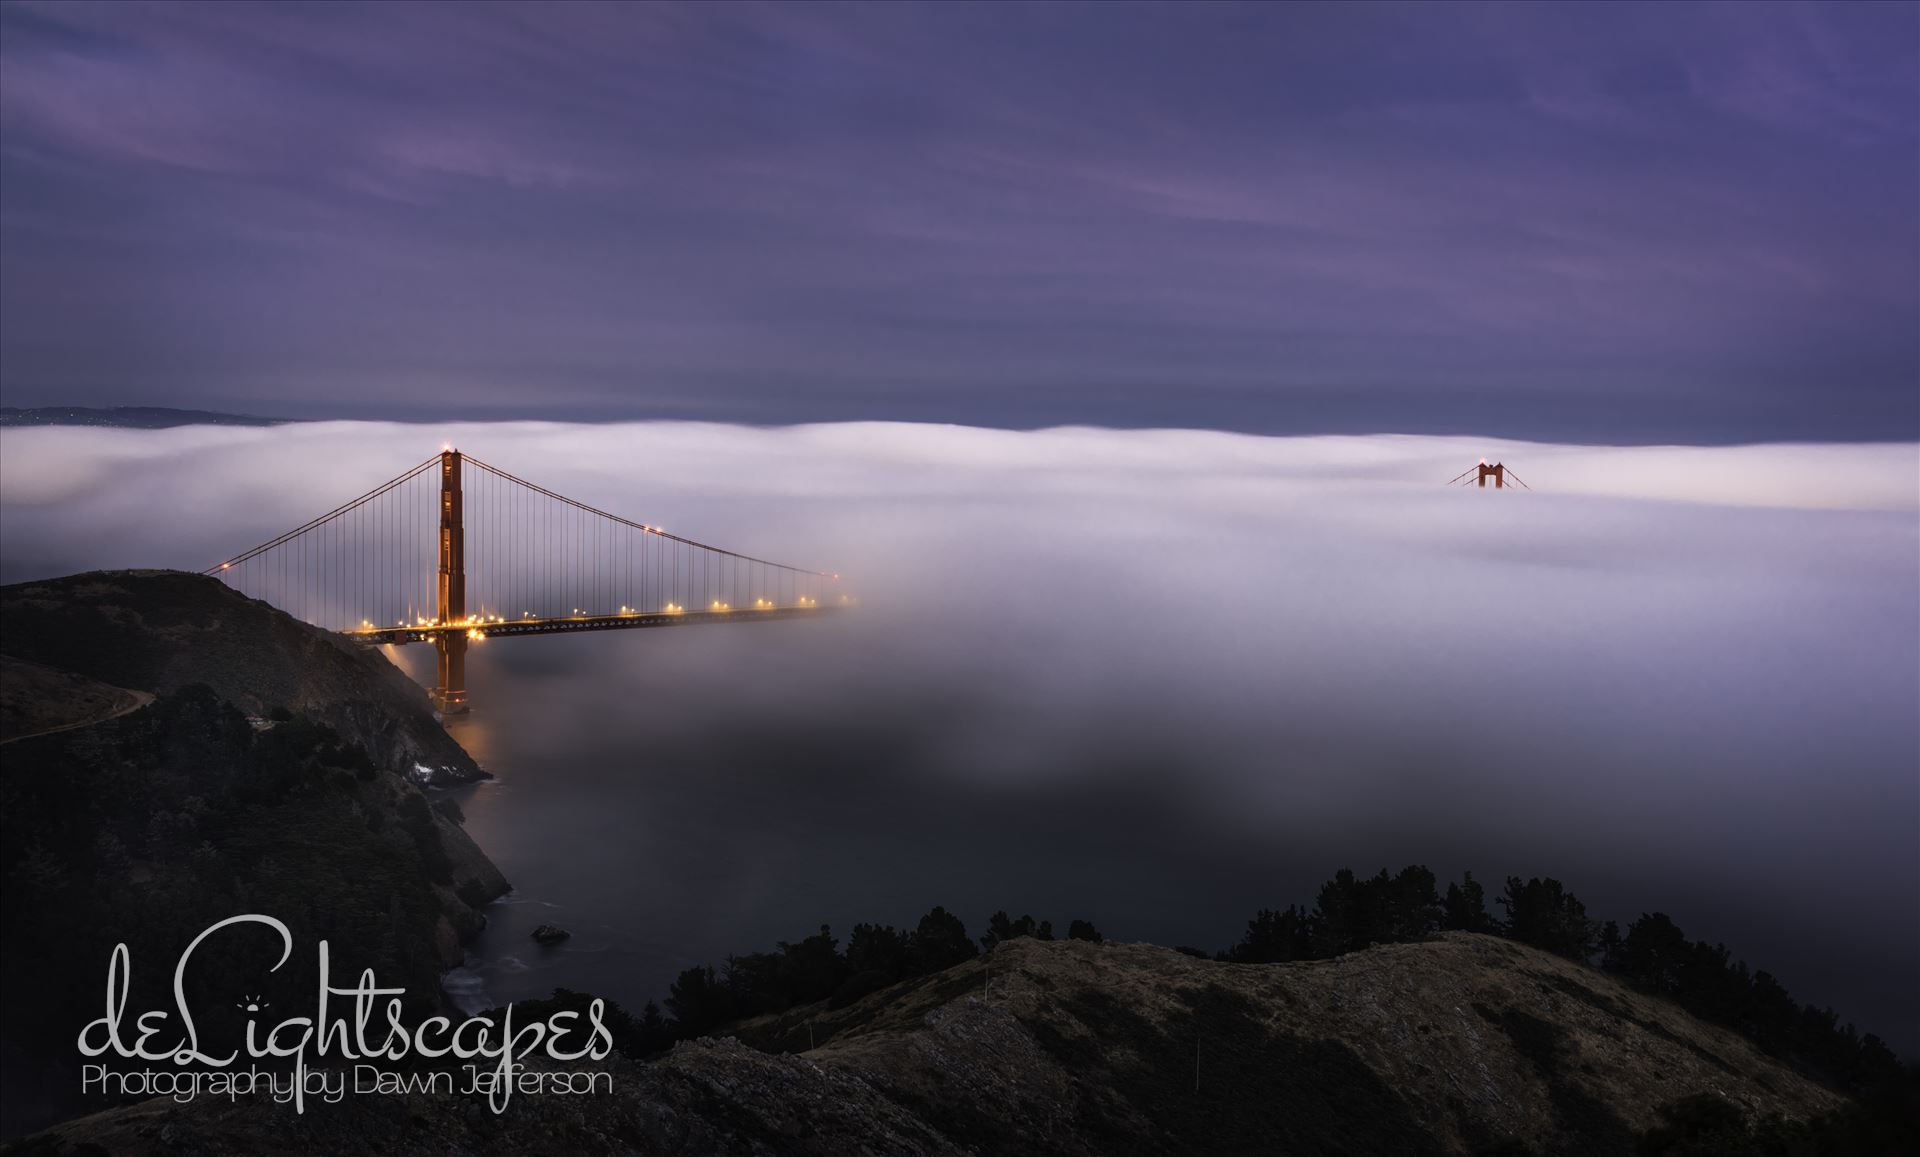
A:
(816, 969)
(1652, 954)
(1656, 956)
(1885, 1120)
(1352, 913)
(1349, 913)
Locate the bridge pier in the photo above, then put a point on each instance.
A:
(450, 687)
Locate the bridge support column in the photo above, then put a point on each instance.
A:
(450, 690)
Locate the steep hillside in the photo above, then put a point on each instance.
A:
(36, 699)
(157, 631)
(127, 816)
(1464, 1044)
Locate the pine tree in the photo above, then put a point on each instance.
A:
(1466, 906)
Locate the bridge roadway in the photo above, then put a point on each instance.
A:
(623, 621)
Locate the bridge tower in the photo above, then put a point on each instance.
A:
(1498, 471)
(450, 690)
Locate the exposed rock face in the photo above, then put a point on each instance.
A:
(1459, 1045)
(550, 934)
(157, 631)
(474, 875)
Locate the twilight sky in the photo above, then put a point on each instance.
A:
(1609, 223)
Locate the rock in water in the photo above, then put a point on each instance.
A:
(550, 934)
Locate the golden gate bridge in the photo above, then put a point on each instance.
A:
(469, 552)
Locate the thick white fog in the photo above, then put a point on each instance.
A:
(1165, 677)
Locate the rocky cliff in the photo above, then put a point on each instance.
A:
(139, 804)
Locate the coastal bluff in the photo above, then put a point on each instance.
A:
(176, 754)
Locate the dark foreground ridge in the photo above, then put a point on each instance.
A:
(1462, 1044)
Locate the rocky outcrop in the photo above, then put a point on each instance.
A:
(474, 875)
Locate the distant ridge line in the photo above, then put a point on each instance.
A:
(129, 417)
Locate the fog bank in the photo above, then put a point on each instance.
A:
(1161, 678)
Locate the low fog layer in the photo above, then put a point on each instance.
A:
(1159, 679)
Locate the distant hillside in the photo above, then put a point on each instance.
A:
(1463, 1044)
(158, 631)
(130, 417)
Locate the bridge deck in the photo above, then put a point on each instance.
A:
(627, 621)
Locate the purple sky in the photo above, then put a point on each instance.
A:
(1581, 223)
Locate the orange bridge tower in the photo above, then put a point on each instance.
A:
(1485, 470)
(450, 689)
